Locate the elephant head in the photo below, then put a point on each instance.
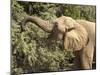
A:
(73, 34)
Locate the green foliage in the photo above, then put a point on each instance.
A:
(51, 11)
(30, 50)
(17, 11)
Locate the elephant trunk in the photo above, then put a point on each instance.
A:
(45, 25)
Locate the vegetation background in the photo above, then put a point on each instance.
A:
(30, 53)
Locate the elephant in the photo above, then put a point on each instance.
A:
(77, 35)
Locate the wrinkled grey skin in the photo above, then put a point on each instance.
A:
(78, 35)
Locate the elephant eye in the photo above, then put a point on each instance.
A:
(70, 29)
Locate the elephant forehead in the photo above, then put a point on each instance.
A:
(66, 21)
(69, 22)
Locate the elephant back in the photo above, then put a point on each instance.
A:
(90, 28)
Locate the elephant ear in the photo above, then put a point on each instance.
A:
(75, 37)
